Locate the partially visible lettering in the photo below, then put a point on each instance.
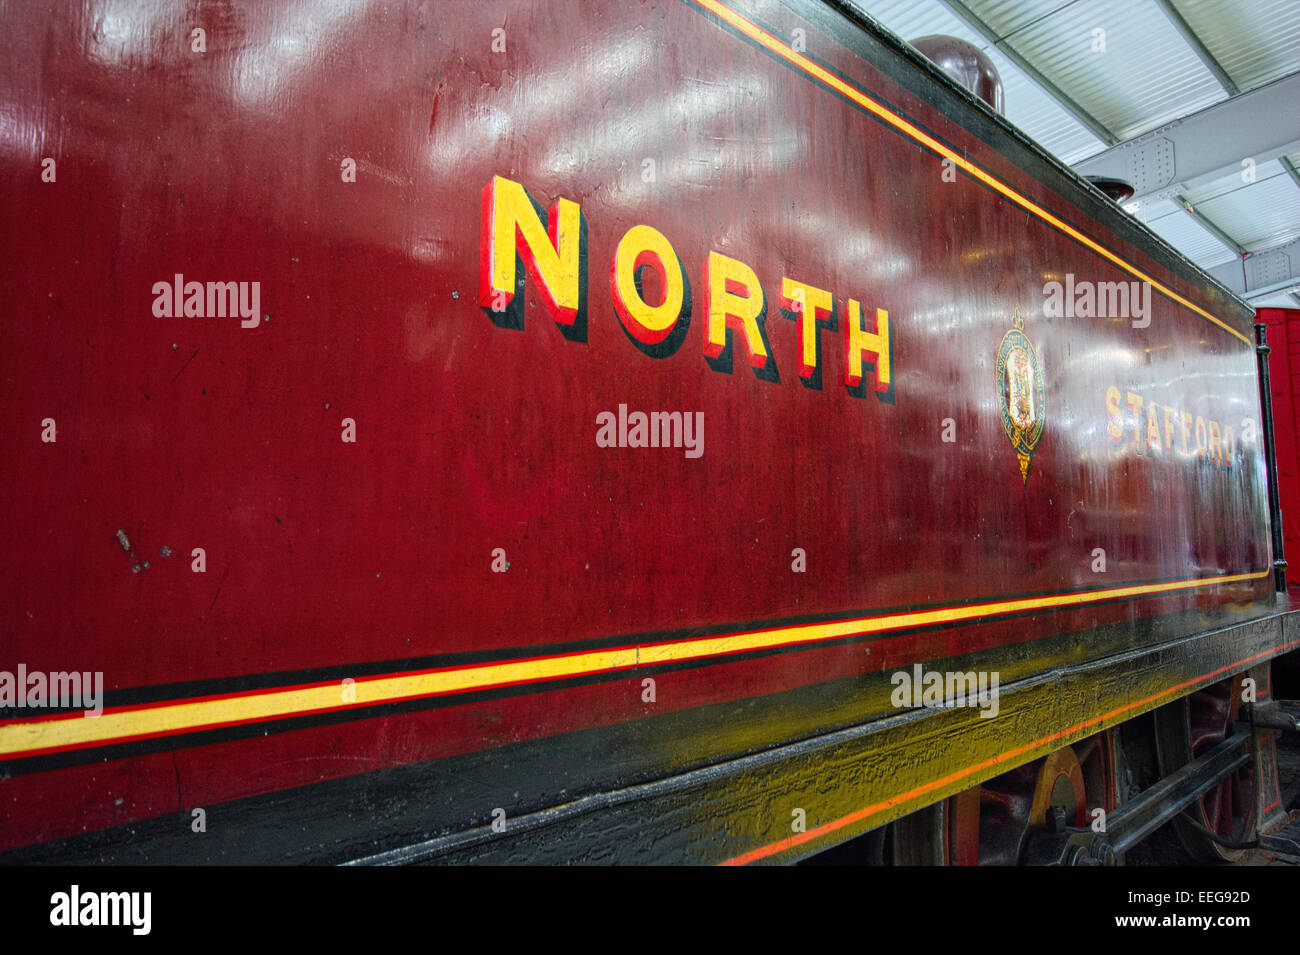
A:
(1158, 430)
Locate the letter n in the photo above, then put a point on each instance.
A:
(551, 253)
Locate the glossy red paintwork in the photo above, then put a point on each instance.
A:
(188, 432)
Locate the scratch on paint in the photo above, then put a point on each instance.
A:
(387, 175)
(184, 366)
(121, 539)
(219, 586)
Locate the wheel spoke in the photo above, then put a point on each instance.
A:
(1088, 747)
(1213, 805)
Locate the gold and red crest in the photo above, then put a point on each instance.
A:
(1022, 400)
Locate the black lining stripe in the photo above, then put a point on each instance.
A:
(190, 739)
(217, 686)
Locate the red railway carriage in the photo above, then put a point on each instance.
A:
(584, 431)
(1283, 329)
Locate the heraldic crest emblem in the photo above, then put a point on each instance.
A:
(1021, 393)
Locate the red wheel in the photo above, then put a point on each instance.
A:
(991, 824)
(1186, 729)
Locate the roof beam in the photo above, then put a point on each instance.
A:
(1260, 125)
(1290, 169)
(1199, 48)
(1210, 226)
(1047, 86)
(1263, 273)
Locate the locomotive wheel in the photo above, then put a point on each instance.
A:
(1187, 728)
(991, 824)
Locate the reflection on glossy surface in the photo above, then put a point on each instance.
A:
(475, 431)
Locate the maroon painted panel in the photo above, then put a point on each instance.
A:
(186, 432)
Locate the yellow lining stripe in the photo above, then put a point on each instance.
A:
(833, 82)
(19, 738)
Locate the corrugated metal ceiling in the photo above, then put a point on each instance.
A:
(1256, 41)
(1029, 106)
(1258, 215)
(1172, 223)
(1123, 62)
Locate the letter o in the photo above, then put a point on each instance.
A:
(644, 245)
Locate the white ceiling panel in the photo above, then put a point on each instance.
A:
(1184, 233)
(1122, 61)
(1260, 215)
(1255, 41)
